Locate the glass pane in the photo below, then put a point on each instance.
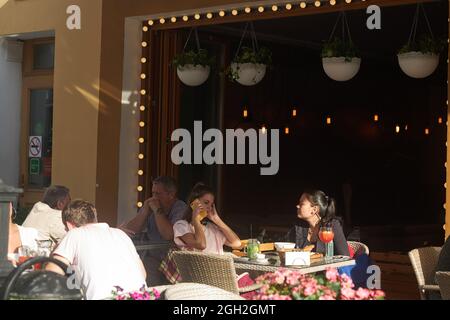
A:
(40, 138)
(43, 56)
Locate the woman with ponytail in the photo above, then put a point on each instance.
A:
(316, 209)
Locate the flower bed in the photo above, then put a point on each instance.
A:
(143, 294)
(293, 285)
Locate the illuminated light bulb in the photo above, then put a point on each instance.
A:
(234, 12)
(294, 112)
(162, 20)
(197, 16)
(245, 113)
(143, 76)
(260, 9)
(222, 13)
(427, 131)
(348, 1)
(445, 185)
(139, 204)
(445, 205)
(303, 5)
(445, 165)
(142, 124)
(263, 130)
(274, 8)
(150, 22)
(375, 118)
(143, 92)
(140, 172)
(144, 44)
(332, 2)
(185, 18)
(288, 6)
(248, 10)
(286, 130)
(397, 129)
(141, 140)
(142, 108)
(406, 128)
(328, 120)
(140, 188)
(209, 15)
(173, 19)
(141, 156)
(440, 120)
(143, 60)
(317, 3)
(446, 102)
(145, 28)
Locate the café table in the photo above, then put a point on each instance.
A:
(255, 267)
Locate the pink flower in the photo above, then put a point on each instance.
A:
(332, 274)
(347, 293)
(362, 293)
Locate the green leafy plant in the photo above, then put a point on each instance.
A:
(425, 44)
(248, 55)
(200, 57)
(338, 48)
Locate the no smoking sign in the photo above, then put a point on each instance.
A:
(35, 147)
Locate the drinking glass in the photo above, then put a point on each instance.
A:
(326, 235)
(252, 249)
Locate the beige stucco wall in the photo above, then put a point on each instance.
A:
(76, 84)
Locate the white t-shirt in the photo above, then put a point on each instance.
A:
(215, 239)
(102, 258)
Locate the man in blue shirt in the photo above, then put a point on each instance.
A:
(158, 215)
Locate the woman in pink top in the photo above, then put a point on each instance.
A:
(191, 233)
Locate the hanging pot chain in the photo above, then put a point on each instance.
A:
(197, 41)
(254, 40)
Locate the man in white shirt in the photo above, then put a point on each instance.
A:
(101, 257)
(46, 214)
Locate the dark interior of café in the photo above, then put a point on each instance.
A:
(391, 172)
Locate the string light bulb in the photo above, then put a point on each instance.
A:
(263, 129)
(222, 13)
(140, 173)
(274, 8)
(173, 19)
(375, 118)
(427, 131)
(317, 3)
(141, 140)
(245, 113)
(234, 12)
(139, 204)
(143, 92)
(144, 44)
(332, 2)
(209, 15)
(143, 76)
(150, 22)
(142, 108)
(140, 188)
(141, 156)
(260, 9)
(185, 18)
(288, 6)
(294, 112)
(348, 1)
(248, 10)
(303, 5)
(286, 130)
(145, 28)
(196, 16)
(397, 129)
(141, 124)
(162, 20)
(406, 127)
(440, 120)
(328, 120)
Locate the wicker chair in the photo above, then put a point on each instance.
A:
(443, 279)
(358, 247)
(424, 262)
(197, 291)
(211, 269)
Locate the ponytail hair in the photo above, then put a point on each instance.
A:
(326, 204)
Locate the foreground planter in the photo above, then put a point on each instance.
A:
(338, 69)
(248, 74)
(192, 75)
(417, 64)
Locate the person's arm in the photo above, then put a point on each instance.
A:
(139, 222)
(232, 240)
(55, 268)
(196, 240)
(340, 243)
(164, 225)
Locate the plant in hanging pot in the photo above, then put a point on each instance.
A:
(193, 67)
(419, 59)
(249, 67)
(340, 59)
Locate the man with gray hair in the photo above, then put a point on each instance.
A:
(158, 214)
(45, 216)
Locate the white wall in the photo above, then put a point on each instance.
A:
(129, 130)
(10, 110)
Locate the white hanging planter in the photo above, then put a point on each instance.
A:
(338, 69)
(248, 74)
(193, 76)
(417, 64)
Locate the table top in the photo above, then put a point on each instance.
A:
(315, 266)
(153, 246)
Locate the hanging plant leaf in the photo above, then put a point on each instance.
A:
(425, 44)
(339, 48)
(195, 58)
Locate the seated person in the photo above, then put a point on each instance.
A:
(45, 215)
(20, 236)
(316, 209)
(443, 264)
(157, 216)
(102, 257)
(210, 237)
